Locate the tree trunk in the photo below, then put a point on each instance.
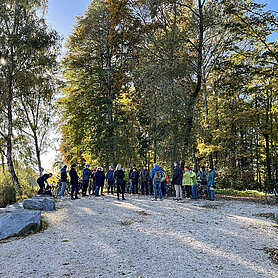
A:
(9, 144)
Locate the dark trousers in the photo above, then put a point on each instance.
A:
(85, 186)
(121, 189)
(151, 187)
(41, 185)
(163, 188)
(110, 185)
(188, 190)
(144, 185)
(74, 188)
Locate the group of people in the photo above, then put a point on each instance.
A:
(184, 181)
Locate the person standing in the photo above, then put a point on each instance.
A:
(202, 175)
(74, 182)
(86, 174)
(193, 182)
(99, 177)
(64, 178)
(211, 184)
(186, 182)
(177, 180)
(145, 176)
(41, 180)
(164, 183)
(134, 181)
(110, 179)
(119, 177)
(156, 176)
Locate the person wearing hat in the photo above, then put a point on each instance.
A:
(86, 174)
(73, 181)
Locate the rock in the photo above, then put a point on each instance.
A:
(39, 204)
(18, 222)
(17, 205)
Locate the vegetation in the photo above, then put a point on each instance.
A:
(144, 81)
(169, 81)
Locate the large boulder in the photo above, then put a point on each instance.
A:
(39, 204)
(15, 222)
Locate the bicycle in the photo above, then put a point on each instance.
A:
(271, 194)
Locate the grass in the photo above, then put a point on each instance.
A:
(233, 192)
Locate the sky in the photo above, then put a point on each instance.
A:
(62, 16)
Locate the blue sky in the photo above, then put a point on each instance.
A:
(62, 13)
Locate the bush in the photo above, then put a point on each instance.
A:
(7, 195)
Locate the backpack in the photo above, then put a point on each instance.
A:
(157, 176)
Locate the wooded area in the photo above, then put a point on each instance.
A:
(143, 81)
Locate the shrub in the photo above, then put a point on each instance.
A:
(7, 195)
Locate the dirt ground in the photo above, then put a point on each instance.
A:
(104, 237)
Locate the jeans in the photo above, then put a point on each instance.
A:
(194, 191)
(74, 188)
(133, 187)
(144, 185)
(155, 185)
(64, 185)
(110, 185)
(210, 193)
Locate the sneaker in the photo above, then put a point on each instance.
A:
(154, 199)
(63, 198)
(77, 198)
(160, 199)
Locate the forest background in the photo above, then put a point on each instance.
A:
(142, 82)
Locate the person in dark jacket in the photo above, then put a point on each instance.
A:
(145, 176)
(119, 177)
(110, 179)
(202, 175)
(86, 174)
(99, 178)
(134, 181)
(64, 178)
(177, 180)
(41, 180)
(74, 182)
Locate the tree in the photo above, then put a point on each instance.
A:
(26, 43)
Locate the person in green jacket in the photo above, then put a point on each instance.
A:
(186, 181)
(193, 182)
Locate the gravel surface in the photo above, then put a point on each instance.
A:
(103, 237)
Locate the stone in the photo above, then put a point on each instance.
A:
(16, 222)
(39, 204)
(17, 205)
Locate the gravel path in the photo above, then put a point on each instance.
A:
(103, 237)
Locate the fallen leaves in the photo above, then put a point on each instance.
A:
(273, 254)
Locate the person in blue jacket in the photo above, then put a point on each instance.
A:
(156, 176)
(211, 184)
(85, 178)
(110, 179)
